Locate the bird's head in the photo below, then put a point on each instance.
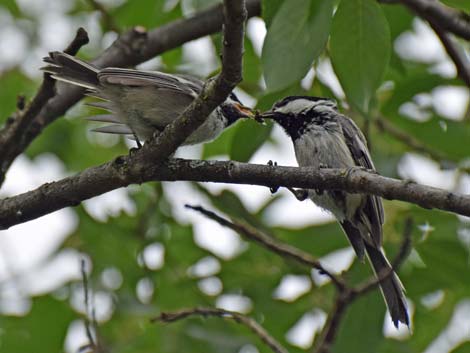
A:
(295, 113)
(233, 109)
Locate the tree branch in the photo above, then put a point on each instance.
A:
(257, 329)
(13, 133)
(409, 140)
(272, 244)
(456, 53)
(214, 93)
(126, 170)
(132, 48)
(346, 296)
(435, 12)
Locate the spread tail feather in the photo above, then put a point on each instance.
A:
(69, 69)
(392, 289)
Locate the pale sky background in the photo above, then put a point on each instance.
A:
(26, 267)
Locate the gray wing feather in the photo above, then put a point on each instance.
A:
(159, 80)
(105, 118)
(357, 144)
(115, 129)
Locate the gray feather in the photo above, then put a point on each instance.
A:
(101, 105)
(67, 68)
(104, 118)
(114, 129)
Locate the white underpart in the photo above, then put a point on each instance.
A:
(320, 148)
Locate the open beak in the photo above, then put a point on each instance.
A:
(243, 111)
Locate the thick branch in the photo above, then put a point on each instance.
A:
(132, 48)
(256, 328)
(272, 244)
(127, 170)
(213, 94)
(435, 12)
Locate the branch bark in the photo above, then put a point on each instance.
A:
(13, 133)
(346, 296)
(132, 48)
(268, 242)
(257, 329)
(456, 53)
(126, 170)
(435, 12)
(214, 93)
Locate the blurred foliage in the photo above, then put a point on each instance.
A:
(360, 45)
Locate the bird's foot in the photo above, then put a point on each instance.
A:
(273, 189)
(300, 194)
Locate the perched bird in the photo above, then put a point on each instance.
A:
(324, 138)
(142, 103)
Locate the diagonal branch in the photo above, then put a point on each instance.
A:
(456, 53)
(213, 94)
(435, 12)
(126, 170)
(272, 244)
(347, 296)
(257, 329)
(411, 141)
(133, 47)
(14, 132)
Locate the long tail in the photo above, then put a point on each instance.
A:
(392, 289)
(69, 69)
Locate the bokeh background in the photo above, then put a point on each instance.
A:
(145, 253)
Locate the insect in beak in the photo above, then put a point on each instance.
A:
(244, 112)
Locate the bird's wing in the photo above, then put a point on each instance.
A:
(357, 145)
(135, 78)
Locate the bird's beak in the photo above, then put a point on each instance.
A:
(244, 112)
(266, 115)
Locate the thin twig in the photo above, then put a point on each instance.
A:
(433, 11)
(257, 329)
(272, 244)
(13, 133)
(455, 52)
(86, 293)
(347, 295)
(409, 140)
(330, 330)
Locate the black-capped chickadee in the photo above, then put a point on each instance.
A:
(142, 102)
(324, 138)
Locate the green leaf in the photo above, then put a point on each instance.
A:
(458, 4)
(296, 37)
(463, 348)
(221, 145)
(18, 84)
(11, 6)
(360, 49)
(42, 330)
(147, 13)
(269, 9)
(250, 135)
